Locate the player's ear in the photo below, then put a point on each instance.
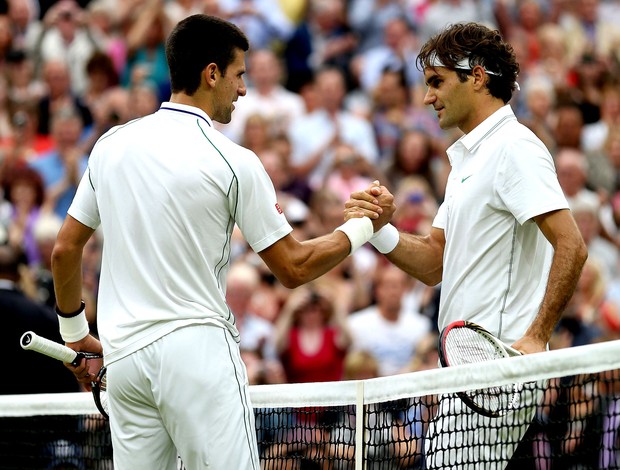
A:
(210, 73)
(480, 76)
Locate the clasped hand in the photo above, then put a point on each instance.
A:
(374, 202)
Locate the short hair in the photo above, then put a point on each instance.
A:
(196, 42)
(25, 175)
(477, 45)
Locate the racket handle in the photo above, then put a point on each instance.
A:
(33, 342)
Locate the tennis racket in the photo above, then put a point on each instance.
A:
(463, 342)
(33, 342)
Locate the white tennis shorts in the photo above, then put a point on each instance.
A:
(188, 393)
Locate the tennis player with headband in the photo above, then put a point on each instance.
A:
(503, 243)
(167, 191)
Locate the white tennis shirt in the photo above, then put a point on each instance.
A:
(496, 260)
(167, 190)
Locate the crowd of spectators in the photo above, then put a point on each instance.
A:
(334, 101)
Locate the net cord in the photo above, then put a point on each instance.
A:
(588, 359)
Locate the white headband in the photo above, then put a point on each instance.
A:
(464, 64)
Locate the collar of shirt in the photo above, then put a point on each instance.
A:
(183, 108)
(470, 141)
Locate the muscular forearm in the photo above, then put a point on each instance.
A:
(565, 270)
(311, 259)
(67, 273)
(420, 257)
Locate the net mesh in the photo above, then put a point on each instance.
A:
(567, 417)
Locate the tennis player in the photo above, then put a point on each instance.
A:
(167, 191)
(503, 244)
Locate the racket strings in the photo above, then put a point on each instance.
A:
(466, 346)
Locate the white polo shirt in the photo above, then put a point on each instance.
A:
(496, 260)
(168, 190)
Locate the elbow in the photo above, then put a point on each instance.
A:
(582, 254)
(291, 277)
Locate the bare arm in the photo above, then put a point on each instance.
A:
(295, 263)
(420, 256)
(67, 272)
(570, 254)
(67, 264)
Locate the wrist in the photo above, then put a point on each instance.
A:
(385, 239)
(73, 326)
(358, 231)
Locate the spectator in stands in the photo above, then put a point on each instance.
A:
(588, 32)
(329, 126)
(24, 144)
(264, 21)
(256, 333)
(539, 104)
(101, 77)
(45, 231)
(311, 337)
(256, 134)
(416, 205)
(62, 167)
(397, 52)
(385, 329)
(106, 25)
(415, 155)
(441, 13)
(600, 249)
(349, 172)
(23, 88)
(394, 113)
(23, 314)
(65, 37)
(368, 19)
(23, 189)
(595, 134)
(324, 39)
(266, 96)
(59, 96)
(146, 57)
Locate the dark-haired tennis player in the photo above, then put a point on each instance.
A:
(503, 244)
(167, 191)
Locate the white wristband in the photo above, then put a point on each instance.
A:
(73, 329)
(358, 230)
(386, 239)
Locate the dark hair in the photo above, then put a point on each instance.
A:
(482, 46)
(24, 174)
(102, 62)
(196, 42)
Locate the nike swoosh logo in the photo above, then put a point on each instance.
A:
(466, 178)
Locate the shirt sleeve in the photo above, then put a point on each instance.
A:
(258, 214)
(84, 207)
(527, 181)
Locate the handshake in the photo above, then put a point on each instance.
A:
(376, 203)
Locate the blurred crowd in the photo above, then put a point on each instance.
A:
(334, 101)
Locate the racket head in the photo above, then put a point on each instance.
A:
(464, 342)
(99, 389)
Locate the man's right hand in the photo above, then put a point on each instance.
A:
(88, 369)
(374, 202)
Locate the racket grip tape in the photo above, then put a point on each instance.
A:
(33, 342)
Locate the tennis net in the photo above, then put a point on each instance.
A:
(384, 423)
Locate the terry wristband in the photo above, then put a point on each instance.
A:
(386, 239)
(358, 231)
(73, 326)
